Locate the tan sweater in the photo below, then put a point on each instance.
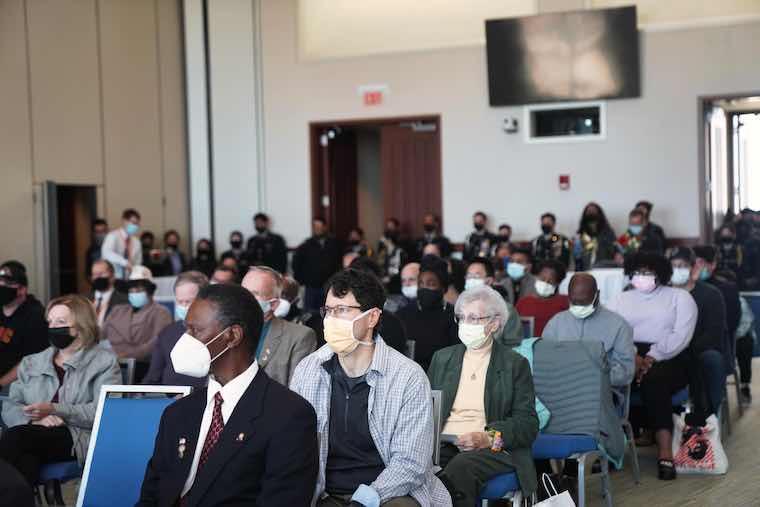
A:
(133, 334)
(468, 413)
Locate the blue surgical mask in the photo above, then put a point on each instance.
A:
(680, 276)
(704, 274)
(635, 229)
(132, 229)
(180, 312)
(265, 305)
(515, 270)
(138, 299)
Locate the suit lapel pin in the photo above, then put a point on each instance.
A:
(240, 437)
(182, 447)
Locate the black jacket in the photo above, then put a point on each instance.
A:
(268, 250)
(266, 456)
(25, 332)
(710, 331)
(730, 293)
(431, 330)
(315, 261)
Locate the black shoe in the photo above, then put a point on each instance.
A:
(745, 397)
(666, 470)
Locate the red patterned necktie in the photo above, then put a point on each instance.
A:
(214, 431)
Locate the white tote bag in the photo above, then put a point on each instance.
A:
(557, 499)
(698, 450)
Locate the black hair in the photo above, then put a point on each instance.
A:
(437, 266)
(506, 226)
(635, 212)
(261, 216)
(319, 219)
(525, 251)
(226, 269)
(235, 305)
(645, 204)
(480, 214)
(602, 222)
(129, 214)
(683, 253)
(706, 252)
(364, 263)
(483, 262)
(560, 271)
(227, 255)
(364, 285)
(649, 260)
(394, 221)
(357, 229)
(99, 221)
(171, 232)
(236, 233)
(549, 215)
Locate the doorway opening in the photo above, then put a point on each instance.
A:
(729, 157)
(364, 172)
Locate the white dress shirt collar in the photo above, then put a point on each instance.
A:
(232, 391)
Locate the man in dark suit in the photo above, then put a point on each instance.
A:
(103, 294)
(173, 261)
(244, 439)
(266, 248)
(314, 262)
(431, 225)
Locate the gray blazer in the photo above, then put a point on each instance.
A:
(284, 346)
(86, 372)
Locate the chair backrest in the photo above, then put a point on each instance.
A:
(127, 366)
(437, 399)
(122, 442)
(528, 325)
(409, 352)
(572, 379)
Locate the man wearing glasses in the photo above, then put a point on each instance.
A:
(374, 413)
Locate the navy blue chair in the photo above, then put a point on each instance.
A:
(122, 442)
(528, 326)
(501, 487)
(54, 475)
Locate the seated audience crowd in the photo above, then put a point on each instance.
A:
(325, 374)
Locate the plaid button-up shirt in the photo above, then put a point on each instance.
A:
(400, 415)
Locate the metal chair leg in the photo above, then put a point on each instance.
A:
(606, 485)
(582, 480)
(628, 429)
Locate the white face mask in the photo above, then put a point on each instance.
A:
(191, 357)
(472, 335)
(409, 291)
(283, 309)
(544, 289)
(583, 311)
(473, 283)
(680, 276)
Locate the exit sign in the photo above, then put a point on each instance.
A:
(372, 95)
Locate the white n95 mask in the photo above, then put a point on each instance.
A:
(283, 309)
(191, 357)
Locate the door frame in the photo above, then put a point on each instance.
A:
(705, 102)
(316, 159)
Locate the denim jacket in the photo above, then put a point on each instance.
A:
(86, 371)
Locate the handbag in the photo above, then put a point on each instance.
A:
(557, 499)
(698, 449)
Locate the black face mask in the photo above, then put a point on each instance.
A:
(261, 229)
(101, 284)
(353, 242)
(504, 237)
(7, 294)
(392, 235)
(478, 227)
(430, 299)
(172, 246)
(429, 228)
(726, 240)
(546, 229)
(236, 244)
(60, 337)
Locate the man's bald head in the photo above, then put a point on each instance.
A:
(410, 273)
(582, 289)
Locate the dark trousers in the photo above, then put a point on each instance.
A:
(340, 501)
(663, 380)
(466, 473)
(14, 489)
(744, 346)
(29, 446)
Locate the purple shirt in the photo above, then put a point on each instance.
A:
(665, 317)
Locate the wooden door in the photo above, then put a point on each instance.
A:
(410, 166)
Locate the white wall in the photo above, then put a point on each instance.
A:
(650, 151)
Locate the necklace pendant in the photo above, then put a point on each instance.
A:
(472, 377)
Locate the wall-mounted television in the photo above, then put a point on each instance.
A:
(559, 57)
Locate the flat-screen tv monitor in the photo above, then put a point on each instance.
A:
(577, 55)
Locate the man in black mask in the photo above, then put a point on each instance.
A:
(430, 323)
(430, 225)
(237, 252)
(392, 255)
(266, 248)
(99, 231)
(103, 295)
(314, 262)
(480, 241)
(23, 329)
(550, 245)
(749, 241)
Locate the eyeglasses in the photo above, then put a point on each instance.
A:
(340, 311)
(643, 273)
(472, 319)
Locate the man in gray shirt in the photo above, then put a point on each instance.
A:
(588, 320)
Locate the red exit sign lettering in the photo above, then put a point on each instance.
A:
(372, 94)
(374, 98)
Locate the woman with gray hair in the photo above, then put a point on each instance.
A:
(488, 404)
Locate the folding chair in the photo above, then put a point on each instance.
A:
(127, 366)
(122, 442)
(628, 429)
(528, 325)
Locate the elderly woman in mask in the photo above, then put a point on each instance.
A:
(488, 407)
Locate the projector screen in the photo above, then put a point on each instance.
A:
(579, 55)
